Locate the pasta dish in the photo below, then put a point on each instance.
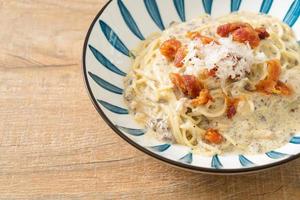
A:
(218, 85)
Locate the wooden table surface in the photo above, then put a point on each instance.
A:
(53, 143)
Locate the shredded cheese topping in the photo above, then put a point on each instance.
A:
(229, 58)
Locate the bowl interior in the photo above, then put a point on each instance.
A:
(120, 26)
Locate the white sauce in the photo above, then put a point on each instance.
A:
(262, 123)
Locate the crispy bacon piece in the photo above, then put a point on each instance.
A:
(274, 69)
(213, 136)
(169, 48)
(272, 84)
(179, 56)
(177, 80)
(189, 85)
(283, 89)
(203, 98)
(262, 33)
(243, 32)
(231, 111)
(246, 34)
(225, 29)
(192, 85)
(232, 104)
(266, 86)
(204, 39)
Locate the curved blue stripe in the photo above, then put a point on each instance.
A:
(153, 11)
(179, 5)
(266, 6)
(207, 4)
(293, 13)
(131, 131)
(295, 140)
(129, 20)
(113, 108)
(105, 62)
(106, 85)
(160, 148)
(275, 154)
(114, 39)
(188, 158)
(245, 162)
(235, 5)
(215, 162)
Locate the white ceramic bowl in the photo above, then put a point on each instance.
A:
(120, 26)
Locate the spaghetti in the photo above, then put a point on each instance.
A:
(217, 86)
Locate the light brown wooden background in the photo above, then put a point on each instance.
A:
(54, 145)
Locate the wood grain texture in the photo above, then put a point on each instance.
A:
(54, 145)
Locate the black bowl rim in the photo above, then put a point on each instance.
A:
(150, 153)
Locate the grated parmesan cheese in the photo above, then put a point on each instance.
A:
(231, 59)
